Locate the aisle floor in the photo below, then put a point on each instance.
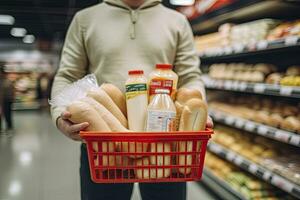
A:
(39, 163)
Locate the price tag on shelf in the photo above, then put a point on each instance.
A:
(238, 160)
(239, 123)
(228, 50)
(259, 88)
(295, 139)
(242, 86)
(230, 156)
(286, 91)
(291, 40)
(228, 85)
(253, 168)
(282, 136)
(249, 126)
(282, 183)
(229, 120)
(262, 130)
(267, 175)
(215, 148)
(261, 45)
(238, 48)
(235, 85)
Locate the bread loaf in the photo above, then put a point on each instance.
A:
(83, 112)
(144, 173)
(116, 95)
(291, 124)
(161, 160)
(116, 126)
(185, 94)
(193, 118)
(179, 109)
(103, 98)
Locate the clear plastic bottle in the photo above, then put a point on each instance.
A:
(161, 113)
(136, 100)
(163, 78)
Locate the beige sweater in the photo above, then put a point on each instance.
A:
(110, 38)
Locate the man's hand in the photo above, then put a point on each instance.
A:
(68, 128)
(209, 123)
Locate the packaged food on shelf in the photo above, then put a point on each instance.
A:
(285, 29)
(261, 150)
(242, 182)
(262, 110)
(163, 78)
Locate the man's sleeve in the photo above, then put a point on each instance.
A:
(187, 61)
(73, 63)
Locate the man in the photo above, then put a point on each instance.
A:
(108, 40)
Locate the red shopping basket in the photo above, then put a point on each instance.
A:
(146, 157)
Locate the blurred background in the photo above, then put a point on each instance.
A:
(249, 53)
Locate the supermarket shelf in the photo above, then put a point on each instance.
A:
(257, 88)
(220, 187)
(257, 128)
(255, 169)
(241, 11)
(291, 43)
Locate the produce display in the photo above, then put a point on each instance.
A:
(257, 73)
(262, 110)
(250, 187)
(246, 34)
(104, 109)
(261, 151)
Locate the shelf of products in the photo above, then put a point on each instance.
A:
(256, 169)
(241, 11)
(257, 128)
(247, 87)
(259, 156)
(231, 182)
(275, 113)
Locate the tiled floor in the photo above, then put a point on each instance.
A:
(39, 163)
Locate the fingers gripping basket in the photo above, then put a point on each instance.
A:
(146, 157)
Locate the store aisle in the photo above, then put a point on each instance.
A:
(39, 163)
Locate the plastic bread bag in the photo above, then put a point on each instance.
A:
(73, 99)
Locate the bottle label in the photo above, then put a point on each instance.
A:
(160, 84)
(133, 90)
(161, 121)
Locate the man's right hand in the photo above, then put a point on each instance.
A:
(68, 128)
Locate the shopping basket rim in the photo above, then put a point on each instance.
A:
(88, 134)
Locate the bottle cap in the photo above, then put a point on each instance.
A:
(135, 72)
(164, 66)
(162, 91)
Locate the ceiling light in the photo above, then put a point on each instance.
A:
(18, 32)
(182, 2)
(28, 39)
(7, 20)
(15, 187)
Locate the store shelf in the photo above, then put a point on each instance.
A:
(257, 128)
(256, 88)
(241, 11)
(26, 106)
(220, 187)
(255, 169)
(291, 43)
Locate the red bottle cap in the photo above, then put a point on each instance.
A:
(164, 66)
(135, 72)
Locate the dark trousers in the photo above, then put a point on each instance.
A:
(7, 113)
(149, 191)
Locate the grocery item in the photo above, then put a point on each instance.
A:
(179, 108)
(185, 94)
(102, 97)
(193, 118)
(163, 78)
(161, 118)
(147, 173)
(136, 100)
(116, 95)
(291, 123)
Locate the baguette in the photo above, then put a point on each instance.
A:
(103, 98)
(116, 126)
(179, 109)
(161, 160)
(193, 118)
(144, 173)
(185, 94)
(83, 112)
(116, 95)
